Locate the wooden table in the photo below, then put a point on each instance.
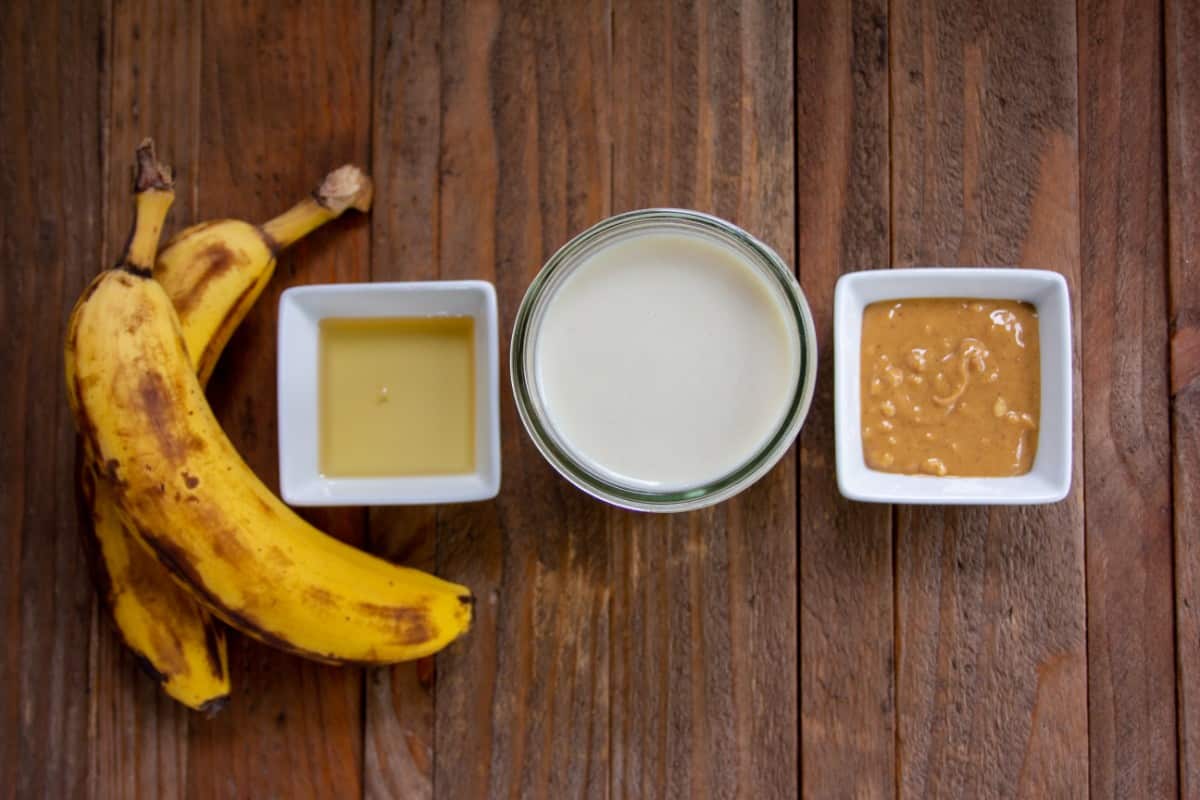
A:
(784, 640)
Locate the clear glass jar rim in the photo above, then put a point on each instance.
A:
(572, 467)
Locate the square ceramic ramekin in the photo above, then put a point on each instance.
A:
(1050, 478)
(301, 310)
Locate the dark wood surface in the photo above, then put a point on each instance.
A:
(1182, 24)
(1131, 653)
(785, 642)
(847, 610)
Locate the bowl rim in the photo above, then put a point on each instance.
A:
(1049, 480)
(300, 481)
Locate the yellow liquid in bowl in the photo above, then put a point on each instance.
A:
(397, 396)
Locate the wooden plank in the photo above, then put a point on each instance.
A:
(399, 718)
(1131, 653)
(991, 653)
(285, 96)
(847, 701)
(522, 701)
(1183, 193)
(151, 70)
(50, 242)
(704, 675)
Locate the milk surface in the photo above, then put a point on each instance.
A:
(666, 361)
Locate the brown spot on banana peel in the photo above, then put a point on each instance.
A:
(226, 544)
(319, 596)
(168, 649)
(217, 259)
(160, 410)
(279, 557)
(189, 479)
(411, 624)
(139, 317)
(214, 643)
(112, 474)
(266, 508)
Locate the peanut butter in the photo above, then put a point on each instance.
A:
(950, 386)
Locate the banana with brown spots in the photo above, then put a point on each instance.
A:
(181, 486)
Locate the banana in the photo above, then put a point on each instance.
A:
(182, 488)
(172, 637)
(213, 272)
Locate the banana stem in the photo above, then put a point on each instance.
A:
(154, 192)
(296, 223)
(345, 187)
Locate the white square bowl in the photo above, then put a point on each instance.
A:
(1050, 478)
(301, 310)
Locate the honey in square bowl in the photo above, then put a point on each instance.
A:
(389, 393)
(950, 386)
(397, 396)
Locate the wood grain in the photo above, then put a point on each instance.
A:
(285, 96)
(406, 127)
(1131, 654)
(50, 241)
(992, 681)
(1183, 193)
(842, 202)
(152, 70)
(522, 701)
(617, 653)
(704, 678)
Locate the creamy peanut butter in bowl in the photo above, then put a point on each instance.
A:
(953, 386)
(950, 386)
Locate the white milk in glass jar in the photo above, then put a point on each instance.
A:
(663, 360)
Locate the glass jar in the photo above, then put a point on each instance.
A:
(541, 294)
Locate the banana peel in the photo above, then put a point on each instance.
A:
(180, 486)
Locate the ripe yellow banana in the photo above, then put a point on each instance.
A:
(181, 486)
(214, 271)
(171, 635)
